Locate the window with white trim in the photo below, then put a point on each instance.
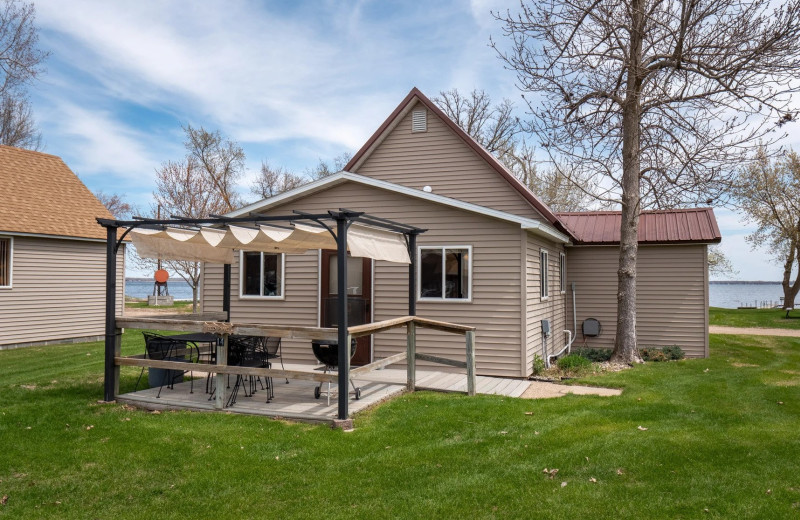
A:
(562, 272)
(6, 244)
(544, 289)
(445, 273)
(261, 274)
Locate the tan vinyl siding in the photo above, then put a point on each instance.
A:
(672, 295)
(58, 291)
(537, 309)
(494, 310)
(442, 160)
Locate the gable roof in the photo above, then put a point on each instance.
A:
(532, 225)
(677, 226)
(416, 95)
(42, 196)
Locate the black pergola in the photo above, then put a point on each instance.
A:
(337, 224)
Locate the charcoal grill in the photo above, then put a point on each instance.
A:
(327, 353)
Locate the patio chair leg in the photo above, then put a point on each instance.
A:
(135, 388)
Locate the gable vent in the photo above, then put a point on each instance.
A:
(419, 120)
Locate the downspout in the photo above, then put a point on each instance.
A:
(571, 334)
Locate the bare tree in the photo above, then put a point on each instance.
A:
(221, 161)
(768, 192)
(494, 126)
(20, 64)
(324, 169)
(571, 192)
(655, 99)
(273, 181)
(17, 126)
(201, 184)
(114, 203)
(718, 263)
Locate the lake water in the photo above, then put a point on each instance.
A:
(739, 294)
(141, 288)
(720, 294)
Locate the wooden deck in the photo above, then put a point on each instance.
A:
(296, 401)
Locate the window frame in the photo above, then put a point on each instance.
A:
(544, 274)
(562, 272)
(261, 271)
(443, 250)
(10, 261)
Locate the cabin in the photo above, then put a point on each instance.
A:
(493, 256)
(52, 253)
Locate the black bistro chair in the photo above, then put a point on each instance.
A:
(247, 351)
(164, 348)
(274, 351)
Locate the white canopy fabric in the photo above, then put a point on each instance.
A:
(218, 245)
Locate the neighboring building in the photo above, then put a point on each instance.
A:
(494, 257)
(52, 253)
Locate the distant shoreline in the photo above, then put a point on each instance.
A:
(738, 282)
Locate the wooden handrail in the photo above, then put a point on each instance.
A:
(380, 326)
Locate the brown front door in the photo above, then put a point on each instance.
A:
(359, 298)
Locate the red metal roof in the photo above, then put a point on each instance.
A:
(695, 225)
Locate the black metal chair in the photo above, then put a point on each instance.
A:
(164, 348)
(274, 351)
(246, 351)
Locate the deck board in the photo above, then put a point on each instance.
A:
(296, 399)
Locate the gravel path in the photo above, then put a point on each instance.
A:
(754, 331)
(543, 390)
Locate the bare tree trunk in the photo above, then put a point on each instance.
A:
(194, 298)
(790, 289)
(625, 350)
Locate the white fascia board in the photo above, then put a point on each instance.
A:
(534, 226)
(546, 231)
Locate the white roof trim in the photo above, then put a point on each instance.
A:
(534, 226)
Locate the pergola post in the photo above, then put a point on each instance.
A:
(111, 386)
(344, 346)
(411, 329)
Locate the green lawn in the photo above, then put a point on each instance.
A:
(718, 445)
(772, 318)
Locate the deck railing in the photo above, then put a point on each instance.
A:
(208, 323)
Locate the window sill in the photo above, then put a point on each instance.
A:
(444, 300)
(252, 297)
(544, 298)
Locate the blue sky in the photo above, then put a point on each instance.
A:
(293, 82)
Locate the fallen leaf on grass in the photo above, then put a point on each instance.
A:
(528, 413)
(706, 370)
(563, 484)
(592, 479)
(90, 427)
(503, 432)
(642, 428)
(620, 471)
(769, 491)
(156, 412)
(4, 500)
(551, 473)
(780, 402)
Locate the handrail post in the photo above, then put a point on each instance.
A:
(411, 360)
(470, 335)
(222, 359)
